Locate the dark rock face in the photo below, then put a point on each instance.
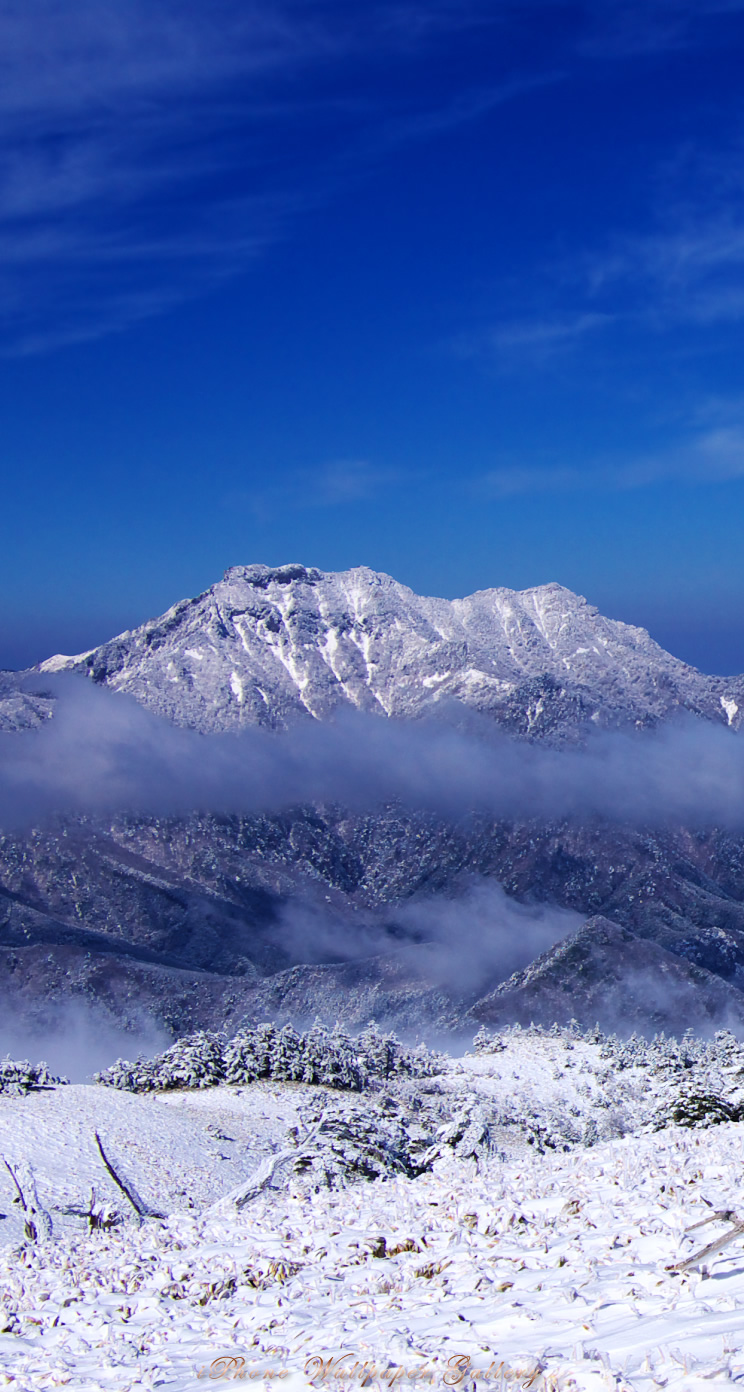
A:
(182, 918)
(149, 903)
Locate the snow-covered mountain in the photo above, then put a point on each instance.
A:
(268, 645)
(203, 918)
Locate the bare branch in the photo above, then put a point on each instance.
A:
(127, 1190)
(721, 1215)
(264, 1175)
(38, 1223)
(711, 1250)
(29, 1227)
(21, 1199)
(259, 1181)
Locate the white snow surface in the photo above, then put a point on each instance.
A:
(730, 707)
(522, 1267)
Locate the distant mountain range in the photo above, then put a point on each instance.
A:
(267, 646)
(185, 918)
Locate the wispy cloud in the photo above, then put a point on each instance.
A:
(151, 150)
(526, 342)
(619, 29)
(693, 272)
(348, 481)
(712, 456)
(684, 270)
(405, 127)
(335, 484)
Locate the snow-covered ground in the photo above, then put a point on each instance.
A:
(533, 1249)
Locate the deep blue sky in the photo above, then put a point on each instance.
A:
(454, 290)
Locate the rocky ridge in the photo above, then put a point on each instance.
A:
(267, 646)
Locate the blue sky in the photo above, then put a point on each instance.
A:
(453, 290)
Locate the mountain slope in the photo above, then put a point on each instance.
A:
(187, 916)
(528, 1216)
(606, 973)
(267, 646)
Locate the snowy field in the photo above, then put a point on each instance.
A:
(528, 1209)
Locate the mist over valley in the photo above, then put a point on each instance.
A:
(308, 794)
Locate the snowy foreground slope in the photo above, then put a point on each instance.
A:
(529, 1204)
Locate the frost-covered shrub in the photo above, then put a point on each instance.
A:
(354, 1144)
(333, 1059)
(485, 1043)
(18, 1076)
(248, 1056)
(196, 1061)
(552, 1124)
(668, 1054)
(630, 1083)
(469, 1133)
(660, 1053)
(700, 1109)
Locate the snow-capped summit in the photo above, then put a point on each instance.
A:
(267, 645)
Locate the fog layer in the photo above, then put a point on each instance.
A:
(101, 752)
(466, 940)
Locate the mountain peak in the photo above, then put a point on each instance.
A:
(261, 576)
(267, 645)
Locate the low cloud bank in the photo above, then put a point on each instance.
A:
(464, 941)
(76, 1039)
(102, 753)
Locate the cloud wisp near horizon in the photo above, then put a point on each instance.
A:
(705, 457)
